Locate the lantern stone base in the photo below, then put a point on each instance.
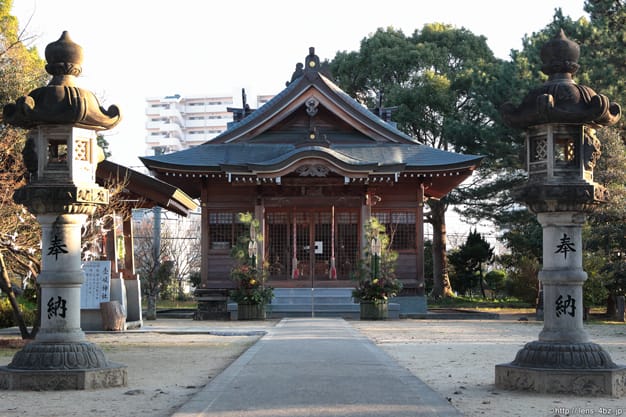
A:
(113, 375)
(61, 366)
(583, 382)
(563, 368)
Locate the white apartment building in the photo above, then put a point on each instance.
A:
(179, 122)
(175, 122)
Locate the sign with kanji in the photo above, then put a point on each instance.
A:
(57, 307)
(57, 247)
(565, 245)
(97, 286)
(565, 306)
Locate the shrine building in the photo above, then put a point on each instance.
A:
(312, 165)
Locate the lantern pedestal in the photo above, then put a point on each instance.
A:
(581, 382)
(60, 357)
(563, 360)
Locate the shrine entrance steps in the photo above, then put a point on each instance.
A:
(315, 302)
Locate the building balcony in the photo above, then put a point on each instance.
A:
(173, 114)
(195, 140)
(172, 129)
(169, 142)
(206, 108)
(212, 123)
(154, 125)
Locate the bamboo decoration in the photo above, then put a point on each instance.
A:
(294, 261)
(333, 270)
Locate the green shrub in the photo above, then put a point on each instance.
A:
(495, 280)
(6, 313)
(523, 280)
(595, 291)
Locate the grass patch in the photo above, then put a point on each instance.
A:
(10, 345)
(165, 304)
(479, 303)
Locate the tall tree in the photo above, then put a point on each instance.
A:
(469, 260)
(608, 231)
(22, 71)
(447, 87)
(166, 252)
(151, 261)
(602, 40)
(182, 242)
(603, 48)
(605, 236)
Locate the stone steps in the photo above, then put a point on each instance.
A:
(317, 302)
(315, 296)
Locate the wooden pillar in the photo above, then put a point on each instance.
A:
(419, 241)
(129, 250)
(115, 226)
(212, 302)
(204, 236)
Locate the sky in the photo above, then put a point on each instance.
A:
(135, 49)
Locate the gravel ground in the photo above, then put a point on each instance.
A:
(457, 358)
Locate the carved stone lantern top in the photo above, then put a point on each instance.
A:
(560, 119)
(61, 152)
(560, 99)
(61, 102)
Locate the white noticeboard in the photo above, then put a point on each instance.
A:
(319, 247)
(97, 286)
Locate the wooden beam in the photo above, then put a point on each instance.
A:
(204, 235)
(129, 249)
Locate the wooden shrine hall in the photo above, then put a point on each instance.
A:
(313, 165)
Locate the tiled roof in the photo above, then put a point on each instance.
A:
(258, 156)
(249, 145)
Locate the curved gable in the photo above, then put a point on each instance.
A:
(300, 107)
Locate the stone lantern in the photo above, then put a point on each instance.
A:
(61, 155)
(560, 119)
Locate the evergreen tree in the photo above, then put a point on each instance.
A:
(447, 87)
(602, 40)
(469, 262)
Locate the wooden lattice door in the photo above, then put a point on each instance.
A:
(312, 246)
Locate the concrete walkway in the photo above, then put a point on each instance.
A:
(316, 367)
